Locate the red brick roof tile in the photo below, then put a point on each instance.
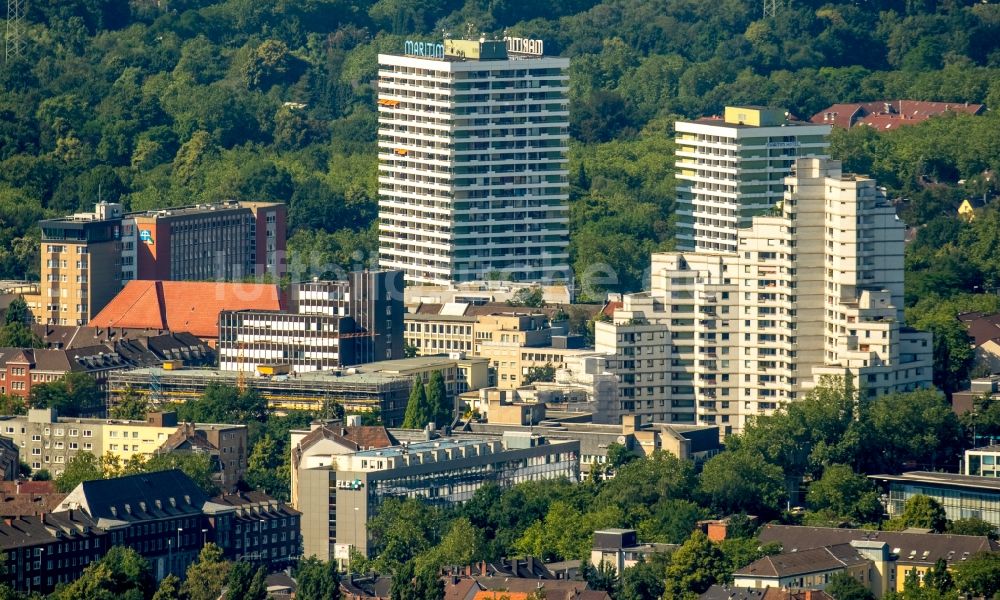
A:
(192, 306)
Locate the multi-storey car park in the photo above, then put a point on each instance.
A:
(472, 162)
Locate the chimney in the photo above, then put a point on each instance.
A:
(41, 516)
(482, 568)
(71, 514)
(8, 521)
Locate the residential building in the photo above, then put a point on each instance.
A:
(23, 368)
(339, 500)
(620, 549)
(163, 516)
(331, 324)
(985, 333)
(962, 496)
(43, 551)
(732, 169)
(226, 445)
(71, 292)
(10, 464)
(47, 441)
(226, 241)
(190, 306)
(264, 531)
(28, 498)
(729, 592)
(472, 162)
(814, 290)
(887, 114)
(813, 568)
(983, 461)
(892, 555)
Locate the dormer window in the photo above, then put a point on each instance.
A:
(173, 502)
(159, 505)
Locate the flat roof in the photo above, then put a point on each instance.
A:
(992, 448)
(218, 376)
(201, 208)
(944, 480)
(415, 447)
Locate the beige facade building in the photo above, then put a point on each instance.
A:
(814, 290)
(49, 442)
(70, 291)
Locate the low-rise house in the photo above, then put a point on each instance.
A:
(811, 568)
(28, 498)
(621, 549)
(893, 554)
(888, 114)
(730, 592)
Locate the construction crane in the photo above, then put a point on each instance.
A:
(241, 376)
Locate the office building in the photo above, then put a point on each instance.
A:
(472, 162)
(330, 324)
(227, 241)
(813, 290)
(339, 500)
(961, 496)
(383, 386)
(70, 291)
(731, 169)
(983, 461)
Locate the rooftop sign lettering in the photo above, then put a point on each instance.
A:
(426, 49)
(524, 46)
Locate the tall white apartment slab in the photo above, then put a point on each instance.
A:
(472, 162)
(730, 169)
(814, 289)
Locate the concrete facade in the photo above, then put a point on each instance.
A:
(812, 291)
(731, 169)
(472, 164)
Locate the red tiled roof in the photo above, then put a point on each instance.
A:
(610, 308)
(887, 114)
(27, 487)
(192, 306)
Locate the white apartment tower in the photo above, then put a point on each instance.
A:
(472, 162)
(731, 169)
(815, 289)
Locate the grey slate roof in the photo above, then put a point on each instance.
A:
(135, 498)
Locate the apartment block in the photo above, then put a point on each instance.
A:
(340, 499)
(331, 324)
(472, 162)
(47, 441)
(810, 291)
(70, 291)
(731, 168)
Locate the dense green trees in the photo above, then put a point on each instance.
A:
(121, 574)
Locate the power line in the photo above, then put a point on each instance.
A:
(13, 40)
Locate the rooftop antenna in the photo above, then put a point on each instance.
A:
(13, 42)
(470, 30)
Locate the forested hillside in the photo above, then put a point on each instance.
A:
(183, 101)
